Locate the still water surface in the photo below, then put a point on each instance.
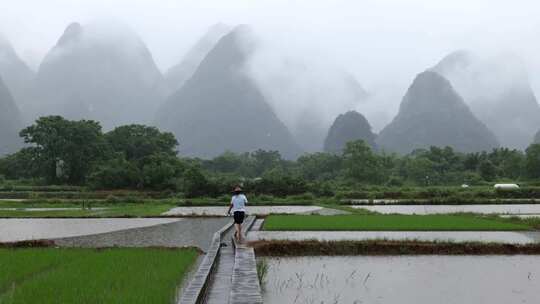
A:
(405, 279)
(259, 210)
(437, 209)
(12, 230)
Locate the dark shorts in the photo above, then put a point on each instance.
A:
(239, 217)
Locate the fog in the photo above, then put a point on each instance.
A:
(383, 44)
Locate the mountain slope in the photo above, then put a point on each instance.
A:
(17, 76)
(536, 139)
(10, 122)
(307, 94)
(220, 108)
(348, 127)
(100, 72)
(498, 92)
(433, 114)
(176, 76)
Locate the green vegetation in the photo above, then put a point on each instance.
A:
(358, 222)
(387, 247)
(72, 159)
(262, 270)
(50, 275)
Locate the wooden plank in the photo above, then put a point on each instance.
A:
(245, 282)
(221, 279)
(195, 291)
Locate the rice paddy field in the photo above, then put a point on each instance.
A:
(375, 222)
(116, 275)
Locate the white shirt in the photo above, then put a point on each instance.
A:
(239, 202)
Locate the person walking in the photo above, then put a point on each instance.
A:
(238, 207)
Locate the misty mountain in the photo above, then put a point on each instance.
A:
(17, 76)
(433, 114)
(102, 72)
(498, 92)
(177, 75)
(307, 95)
(10, 122)
(536, 139)
(221, 109)
(348, 127)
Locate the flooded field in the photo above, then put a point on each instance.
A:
(259, 210)
(393, 279)
(196, 232)
(506, 237)
(12, 230)
(523, 216)
(438, 209)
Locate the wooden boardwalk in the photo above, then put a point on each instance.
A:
(227, 274)
(245, 283)
(221, 278)
(196, 291)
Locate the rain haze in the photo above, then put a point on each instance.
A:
(379, 45)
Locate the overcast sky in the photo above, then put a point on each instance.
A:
(382, 42)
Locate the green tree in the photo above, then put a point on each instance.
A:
(319, 166)
(227, 162)
(444, 161)
(138, 141)
(196, 184)
(487, 170)
(421, 171)
(115, 173)
(64, 149)
(19, 165)
(513, 165)
(361, 163)
(471, 161)
(265, 160)
(532, 162)
(161, 170)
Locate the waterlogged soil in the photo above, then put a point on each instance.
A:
(505, 237)
(441, 209)
(186, 232)
(13, 230)
(255, 210)
(407, 279)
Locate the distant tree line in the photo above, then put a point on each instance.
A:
(61, 151)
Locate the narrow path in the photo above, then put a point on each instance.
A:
(234, 279)
(221, 281)
(245, 282)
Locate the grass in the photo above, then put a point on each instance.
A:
(51, 275)
(387, 247)
(358, 222)
(262, 270)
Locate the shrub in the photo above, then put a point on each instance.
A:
(116, 173)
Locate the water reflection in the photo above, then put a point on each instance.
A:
(418, 279)
(438, 209)
(259, 210)
(507, 237)
(12, 230)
